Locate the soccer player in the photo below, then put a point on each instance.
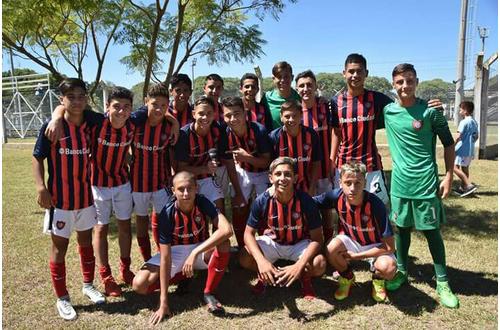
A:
(365, 232)
(249, 144)
(316, 114)
(300, 143)
(214, 85)
(186, 245)
(193, 152)
(292, 232)
(416, 194)
(67, 195)
(180, 91)
(148, 167)
(257, 112)
(464, 148)
(282, 80)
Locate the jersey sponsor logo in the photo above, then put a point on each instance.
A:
(356, 228)
(193, 234)
(113, 144)
(68, 151)
(64, 138)
(368, 104)
(303, 159)
(139, 145)
(295, 215)
(283, 149)
(417, 124)
(251, 143)
(357, 119)
(286, 227)
(60, 224)
(259, 116)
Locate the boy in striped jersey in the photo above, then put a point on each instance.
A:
(186, 245)
(300, 143)
(67, 195)
(180, 91)
(249, 144)
(364, 232)
(257, 112)
(214, 85)
(292, 232)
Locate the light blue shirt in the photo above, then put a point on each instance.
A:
(468, 135)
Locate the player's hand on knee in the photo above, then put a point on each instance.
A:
(267, 272)
(188, 268)
(289, 274)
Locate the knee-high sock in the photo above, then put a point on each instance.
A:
(436, 246)
(58, 275)
(403, 240)
(87, 263)
(104, 271)
(144, 247)
(216, 269)
(154, 229)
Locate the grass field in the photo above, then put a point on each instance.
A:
(471, 245)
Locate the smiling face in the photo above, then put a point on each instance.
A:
(157, 107)
(283, 81)
(283, 178)
(181, 94)
(405, 84)
(234, 116)
(119, 111)
(249, 89)
(203, 115)
(184, 189)
(213, 89)
(306, 87)
(291, 119)
(355, 75)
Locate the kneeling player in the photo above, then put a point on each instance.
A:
(293, 232)
(185, 246)
(364, 232)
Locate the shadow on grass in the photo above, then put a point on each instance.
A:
(478, 223)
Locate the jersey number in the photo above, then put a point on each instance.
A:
(377, 187)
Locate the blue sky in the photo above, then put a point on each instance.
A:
(319, 34)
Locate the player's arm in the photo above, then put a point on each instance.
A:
(165, 268)
(386, 247)
(336, 140)
(54, 130)
(291, 273)
(44, 198)
(238, 199)
(313, 176)
(221, 234)
(261, 161)
(440, 127)
(267, 271)
(175, 127)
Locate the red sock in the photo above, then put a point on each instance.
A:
(239, 224)
(177, 278)
(216, 268)
(154, 229)
(104, 271)
(58, 275)
(144, 247)
(153, 287)
(87, 263)
(307, 288)
(327, 233)
(125, 263)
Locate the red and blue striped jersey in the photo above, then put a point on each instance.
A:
(178, 228)
(318, 118)
(304, 148)
(287, 223)
(366, 223)
(148, 166)
(358, 117)
(193, 149)
(260, 114)
(184, 118)
(68, 166)
(255, 142)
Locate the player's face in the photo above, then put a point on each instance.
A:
(203, 115)
(283, 178)
(405, 84)
(234, 117)
(74, 101)
(306, 87)
(283, 81)
(185, 190)
(213, 89)
(462, 112)
(181, 93)
(249, 89)
(355, 75)
(157, 107)
(119, 110)
(290, 118)
(353, 184)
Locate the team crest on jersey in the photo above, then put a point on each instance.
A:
(368, 105)
(295, 215)
(60, 224)
(259, 116)
(163, 137)
(251, 143)
(417, 124)
(306, 147)
(364, 218)
(197, 218)
(321, 117)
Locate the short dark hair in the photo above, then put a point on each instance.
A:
(403, 67)
(232, 101)
(69, 84)
(178, 78)
(355, 58)
(215, 77)
(289, 105)
(467, 106)
(204, 100)
(249, 76)
(283, 160)
(306, 74)
(280, 67)
(119, 92)
(157, 90)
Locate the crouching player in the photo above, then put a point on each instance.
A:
(293, 232)
(67, 196)
(185, 246)
(365, 232)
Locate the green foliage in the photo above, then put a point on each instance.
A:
(378, 84)
(329, 83)
(436, 88)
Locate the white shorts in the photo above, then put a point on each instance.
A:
(323, 185)
(375, 183)
(353, 246)
(250, 182)
(142, 200)
(463, 161)
(274, 251)
(208, 188)
(222, 180)
(179, 255)
(62, 222)
(117, 198)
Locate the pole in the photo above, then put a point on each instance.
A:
(459, 83)
(193, 63)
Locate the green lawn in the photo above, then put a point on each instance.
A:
(470, 238)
